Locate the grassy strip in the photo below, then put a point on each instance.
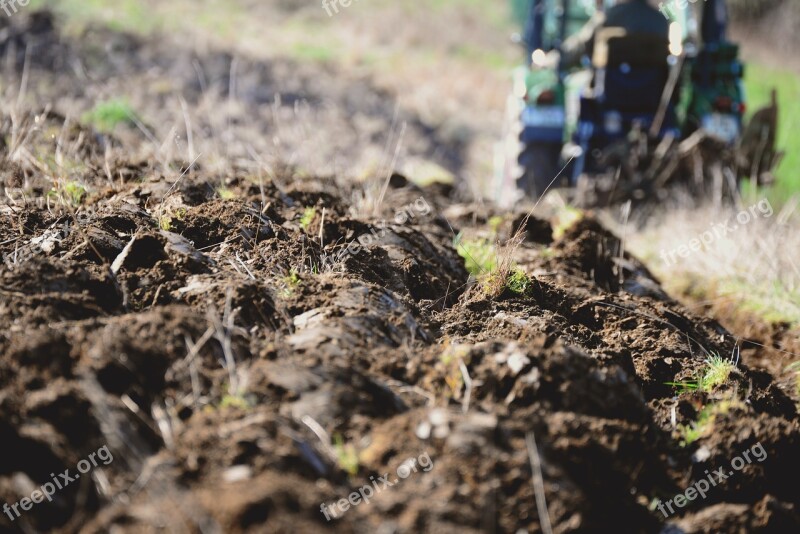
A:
(759, 82)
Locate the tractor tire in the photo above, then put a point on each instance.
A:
(540, 165)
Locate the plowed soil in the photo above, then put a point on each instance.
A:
(245, 362)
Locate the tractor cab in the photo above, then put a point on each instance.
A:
(634, 88)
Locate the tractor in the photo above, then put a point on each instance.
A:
(628, 122)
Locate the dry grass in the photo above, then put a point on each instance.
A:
(447, 62)
(756, 265)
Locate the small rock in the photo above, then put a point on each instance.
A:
(237, 473)
(424, 430)
(438, 417)
(701, 455)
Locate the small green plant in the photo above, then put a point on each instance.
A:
(705, 421)
(451, 358)
(165, 221)
(566, 218)
(74, 193)
(519, 282)
(346, 455)
(105, 116)
(234, 401)
(495, 223)
(290, 283)
(71, 193)
(480, 256)
(495, 274)
(225, 193)
(716, 372)
(307, 218)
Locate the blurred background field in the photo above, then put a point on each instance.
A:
(457, 79)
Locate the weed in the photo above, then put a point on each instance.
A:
(495, 223)
(519, 282)
(480, 256)
(716, 372)
(105, 116)
(234, 401)
(290, 282)
(307, 218)
(71, 193)
(705, 421)
(165, 222)
(514, 279)
(74, 193)
(566, 218)
(225, 193)
(482, 261)
(451, 357)
(346, 455)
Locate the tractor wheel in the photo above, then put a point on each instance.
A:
(540, 165)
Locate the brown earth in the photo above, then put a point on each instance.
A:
(244, 368)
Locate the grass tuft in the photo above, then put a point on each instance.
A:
(234, 401)
(307, 218)
(346, 455)
(290, 283)
(70, 193)
(519, 282)
(704, 425)
(716, 372)
(105, 116)
(480, 255)
(225, 193)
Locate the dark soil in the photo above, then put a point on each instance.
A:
(244, 368)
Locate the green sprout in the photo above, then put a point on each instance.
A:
(105, 116)
(235, 401)
(165, 221)
(74, 193)
(519, 282)
(495, 223)
(290, 282)
(715, 373)
(225, 193)
(705, 421)
(71, 193)
(346, 455)
(481, 261)
(307, 218)
(480, 256)
(451, 358)
(566, 218)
